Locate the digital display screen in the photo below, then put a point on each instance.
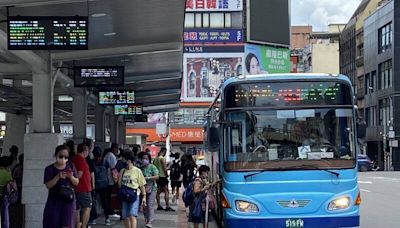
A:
(128, 110)
(136, 118)
(99, 76)
(116, 97)
(287, 94)
(48, 33)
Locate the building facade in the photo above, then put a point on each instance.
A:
(382, 87)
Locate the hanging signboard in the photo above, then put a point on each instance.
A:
(48, 33)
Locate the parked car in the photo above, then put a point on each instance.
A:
(364, 163)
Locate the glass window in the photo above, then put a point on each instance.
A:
(385, 38)
(198, 20)
(237, 21)
(385, 75)
(276, 139)
(189, 20)
(217, 20)
(206, 20)
(228, 21)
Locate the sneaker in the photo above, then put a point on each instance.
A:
(169, 209)
(108, 222)
(93, 222)
(159, 208)
(148, 225)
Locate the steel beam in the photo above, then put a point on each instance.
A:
(118, 51)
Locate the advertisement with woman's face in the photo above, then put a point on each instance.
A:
(266, 60)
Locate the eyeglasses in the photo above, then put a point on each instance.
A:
(63, 157)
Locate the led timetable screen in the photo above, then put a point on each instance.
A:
(116, 97)
(287, 94)
(86, 76)
(128, 110)
(48, 33)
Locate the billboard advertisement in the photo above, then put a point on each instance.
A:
(214, 5)
(204, 73)
(266, 60)
(213, 36)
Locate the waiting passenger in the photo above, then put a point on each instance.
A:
(150, 173)
(59, 178)
(133, 181)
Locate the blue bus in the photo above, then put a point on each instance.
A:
(283, 148)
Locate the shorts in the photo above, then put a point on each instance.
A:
(84, 199)
(176, 184)
(162, 182)
(130, 209)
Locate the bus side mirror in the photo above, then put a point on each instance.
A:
(361, 130)
(213, 139)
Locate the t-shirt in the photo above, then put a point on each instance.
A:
(50, 172)
(150, 171)
(85, 182)
(133, 178)
(110, 161)
(5, 177)
(158, 162)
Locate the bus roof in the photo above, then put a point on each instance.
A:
(297, 76)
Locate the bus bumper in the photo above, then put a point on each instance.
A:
(325, 222)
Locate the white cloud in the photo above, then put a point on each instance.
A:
(320, 13)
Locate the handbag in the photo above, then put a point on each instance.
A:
(127, 194)
(66, 193)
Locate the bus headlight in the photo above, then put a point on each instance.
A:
(339, 203)
(246, 207)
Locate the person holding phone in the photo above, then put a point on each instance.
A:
(58, 178)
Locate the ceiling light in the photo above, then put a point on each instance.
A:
(99, 14)
(110, 34)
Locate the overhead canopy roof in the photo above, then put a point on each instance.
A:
(144, 36)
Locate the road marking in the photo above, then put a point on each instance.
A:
(364, 190)
(365, 182)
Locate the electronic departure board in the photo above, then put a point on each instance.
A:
(85, 76)
(128, 110)
(116, 97)
(48, 33)
(280, 94)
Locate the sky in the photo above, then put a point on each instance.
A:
(320, 13)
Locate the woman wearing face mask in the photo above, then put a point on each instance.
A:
(59, 179)
(150, 173)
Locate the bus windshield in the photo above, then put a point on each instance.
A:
(289, 138)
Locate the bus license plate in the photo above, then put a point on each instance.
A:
(297, 223)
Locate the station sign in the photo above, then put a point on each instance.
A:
(47, 33)
(93, 76)
(213, 36)
(214, 5)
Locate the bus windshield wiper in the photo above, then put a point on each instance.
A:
(291, 168)
(312, 166)
(253, 174)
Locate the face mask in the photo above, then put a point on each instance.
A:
(145, 162)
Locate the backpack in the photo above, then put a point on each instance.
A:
(188, 195)
(101, 176)
(10, 192)
(175, 171)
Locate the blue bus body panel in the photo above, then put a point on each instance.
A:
(272, 191)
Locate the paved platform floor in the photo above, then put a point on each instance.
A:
(177, 219)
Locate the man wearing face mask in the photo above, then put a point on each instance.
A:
(315, 139)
